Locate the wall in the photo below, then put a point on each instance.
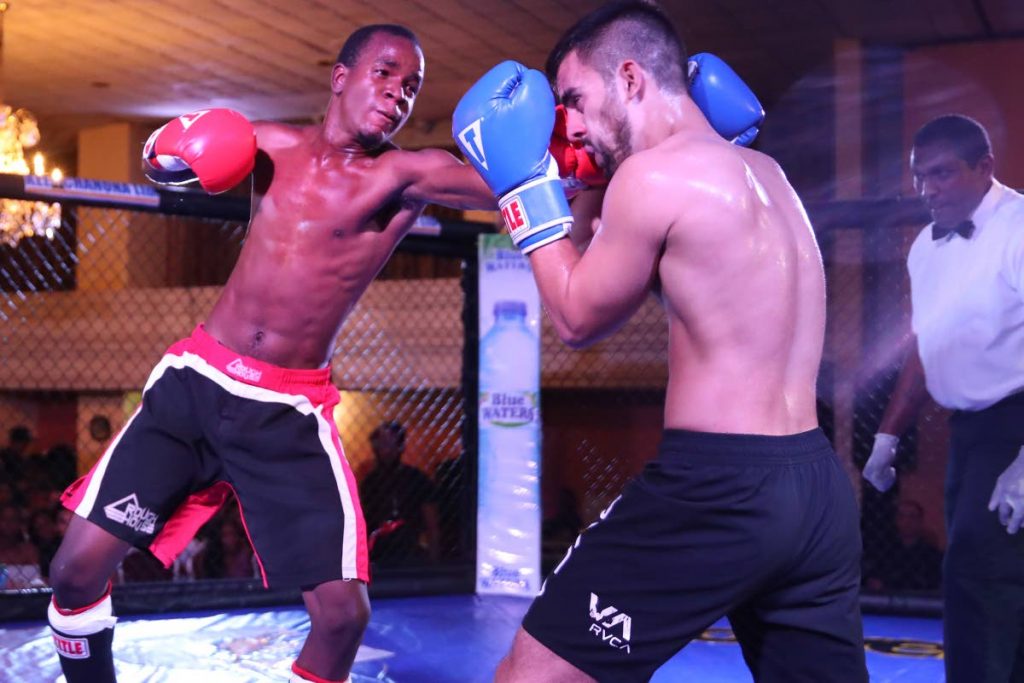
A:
(981, 80)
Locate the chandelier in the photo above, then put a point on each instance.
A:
(18, 131)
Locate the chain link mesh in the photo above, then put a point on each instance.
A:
(85, 316)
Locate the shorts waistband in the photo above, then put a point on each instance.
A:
(744, 449)
(1014, 400)
(251, 370)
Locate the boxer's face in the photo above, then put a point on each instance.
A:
(948, 185)
(595, 113)
(378, 92)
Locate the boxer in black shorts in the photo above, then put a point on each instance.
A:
(246, 401)
(763, 529)
(746, 512)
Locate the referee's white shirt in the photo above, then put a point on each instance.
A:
(967, 297)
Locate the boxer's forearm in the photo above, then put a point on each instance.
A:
(581, 312)
(586, 213)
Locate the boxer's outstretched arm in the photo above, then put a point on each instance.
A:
(435, 176)
(591, 295)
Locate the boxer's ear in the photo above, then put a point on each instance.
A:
(632, 79)
(338, 75)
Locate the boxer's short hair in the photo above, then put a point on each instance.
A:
(352, 50)
(628, 29)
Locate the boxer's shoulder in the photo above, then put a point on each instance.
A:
(410, 166)
(411, 159)
(275, 135)
(682, 170)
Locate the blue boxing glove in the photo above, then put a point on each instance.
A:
(503, 125)
(729, 104)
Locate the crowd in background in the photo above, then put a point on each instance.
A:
(412, 519)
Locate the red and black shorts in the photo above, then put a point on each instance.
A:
(212, 421)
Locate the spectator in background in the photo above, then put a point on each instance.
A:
(910, 562)
(61, 463)
(36, 490)
(19, 557)
(42, 530)
(237, 559)
(15, 453)
(227, 552)
(6, 493)
(140, 566)
(450, 487)
(399, 503)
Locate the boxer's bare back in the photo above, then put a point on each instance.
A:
(718, 233)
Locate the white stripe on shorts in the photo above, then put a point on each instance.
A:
(300, 403)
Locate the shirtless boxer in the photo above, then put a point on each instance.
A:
(245, 403)
(745, 512)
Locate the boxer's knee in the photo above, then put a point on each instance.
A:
(76, 581)
(84, 563)
(341, 612)
(530, 660)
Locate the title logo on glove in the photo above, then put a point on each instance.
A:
(472, 142)
(188, 119)
(515, 215)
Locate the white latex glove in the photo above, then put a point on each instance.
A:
(1008, 495)
(879, 469)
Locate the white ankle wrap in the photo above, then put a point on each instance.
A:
(93, 619)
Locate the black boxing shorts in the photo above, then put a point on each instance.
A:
(762, 529)
(212, 421)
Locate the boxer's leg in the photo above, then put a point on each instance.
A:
(80, 612)
(805, 625)
(310, 532)
(338, 614)
(130, 497)
(531, 660)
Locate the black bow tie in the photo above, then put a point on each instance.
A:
(965, 230)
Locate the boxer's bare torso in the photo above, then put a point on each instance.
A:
(330, 203)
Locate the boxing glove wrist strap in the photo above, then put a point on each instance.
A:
(536, 213)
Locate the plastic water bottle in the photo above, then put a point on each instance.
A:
(509, 514)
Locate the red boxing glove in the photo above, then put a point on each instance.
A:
(217, 147)
(577, 168)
